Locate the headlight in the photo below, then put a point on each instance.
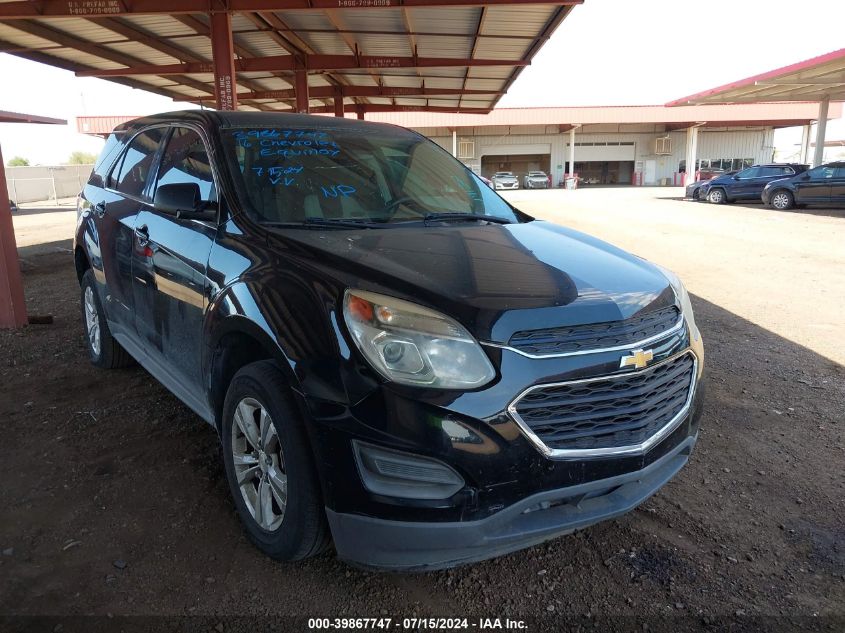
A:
(412, 345)
(682, 296)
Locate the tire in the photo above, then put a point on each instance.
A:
(103, 350)
(717, 196)
(696, 195)
(782, 200)
(274, 464)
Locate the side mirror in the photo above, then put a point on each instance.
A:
(806, 176)
(736, 176)
(182, 200)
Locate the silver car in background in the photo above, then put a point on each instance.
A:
(505, 180)
(536, 180)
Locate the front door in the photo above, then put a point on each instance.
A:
(169, 266)
(814, 185)
(744, 183)
(115, 214)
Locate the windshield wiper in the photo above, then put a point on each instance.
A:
(335, 223)
(464, 217)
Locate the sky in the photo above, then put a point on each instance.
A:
(607, 52)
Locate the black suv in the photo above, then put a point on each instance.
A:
(392, 355)
(746, 184)
(821, 185)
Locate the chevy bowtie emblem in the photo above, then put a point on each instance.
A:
(638, 358)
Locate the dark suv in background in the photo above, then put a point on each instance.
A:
(392, 355)
(821, 185)
(746, 184)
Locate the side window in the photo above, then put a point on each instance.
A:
(839, 173)
(132, 171)
(773, 171)
(751, 172)
(821, 173)
(186, 160)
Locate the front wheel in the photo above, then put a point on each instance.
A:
(782, 200)
(269, 466)
(716, 196)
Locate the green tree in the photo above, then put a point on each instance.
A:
(81, 158)
(18, 161)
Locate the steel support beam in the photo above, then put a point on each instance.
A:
(311, 63)
(571, 170)
(12, 302)
(301, 83)
(225, 87)
(338, 106)
(112, 8)
(360, 110)
(315, 92)
(821, 129)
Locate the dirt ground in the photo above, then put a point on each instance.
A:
(114, 501)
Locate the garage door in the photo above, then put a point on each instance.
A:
(511, 150)
(588, 151)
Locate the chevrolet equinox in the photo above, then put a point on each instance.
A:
(395, 358)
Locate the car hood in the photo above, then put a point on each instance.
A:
(505, 177)
(495, 279)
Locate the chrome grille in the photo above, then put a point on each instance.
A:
(610, 412)
(594, 336)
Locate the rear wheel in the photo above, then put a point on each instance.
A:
(269, 466)
(716, 196)
(782, 200)
(103, 350)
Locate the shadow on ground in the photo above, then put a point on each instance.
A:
(115, 502)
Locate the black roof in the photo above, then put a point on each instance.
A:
(227, 119)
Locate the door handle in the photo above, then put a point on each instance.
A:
(143, 235)
(100, 209)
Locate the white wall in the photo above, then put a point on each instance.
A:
(30, 184)
(756, 143)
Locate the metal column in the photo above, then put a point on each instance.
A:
(571, 170)
(12, 303)
(301, 85)
(692, 151)
(338, 104)
(805, 144)
(821, 128)
(455, 142)
(225, 90)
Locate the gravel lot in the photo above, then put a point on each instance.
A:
(114, 499)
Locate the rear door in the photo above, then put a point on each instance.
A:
(169, 269)
(837, 186)
(125, 194)
(814, 185)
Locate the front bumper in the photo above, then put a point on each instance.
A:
(506, 185)
(503, 471)
(408, 546)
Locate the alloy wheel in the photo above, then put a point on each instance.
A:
(780, 201)
(715, 196)
(259, 464)
(92, 321)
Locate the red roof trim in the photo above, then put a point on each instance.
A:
(17, 117)
(772, 74)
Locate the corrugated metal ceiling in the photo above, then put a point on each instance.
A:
(509, 33)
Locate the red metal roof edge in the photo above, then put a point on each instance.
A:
(19, 117)
(749, 81)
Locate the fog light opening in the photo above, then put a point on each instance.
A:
(393, 473)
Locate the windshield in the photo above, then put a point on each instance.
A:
(364, 174)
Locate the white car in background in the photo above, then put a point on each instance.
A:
(536, 180)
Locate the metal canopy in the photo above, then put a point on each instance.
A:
(820, 79)
(279, 55)
(810, 80)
